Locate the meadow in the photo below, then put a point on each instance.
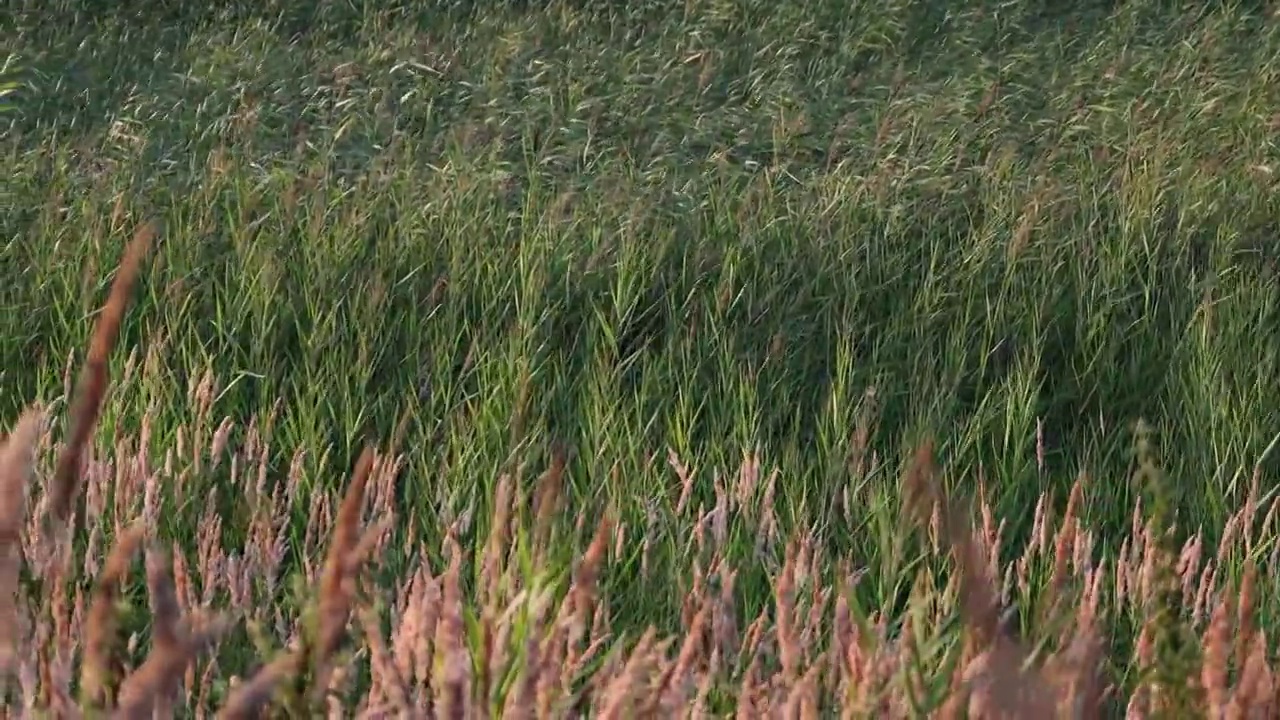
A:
(664, 349)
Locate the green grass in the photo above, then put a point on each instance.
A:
(706, 226)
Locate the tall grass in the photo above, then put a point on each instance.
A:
(718, 269)
(509, 637)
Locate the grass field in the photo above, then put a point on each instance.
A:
(730, 262)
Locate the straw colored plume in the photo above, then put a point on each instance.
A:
(17, 457)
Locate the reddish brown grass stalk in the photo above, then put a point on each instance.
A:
(174, 644)
(97, 668)
(93, 379)
(247, 699)
(337, 587)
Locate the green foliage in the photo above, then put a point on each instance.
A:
(708, 226)
(10, 84)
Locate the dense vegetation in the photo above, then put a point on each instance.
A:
(712, 271)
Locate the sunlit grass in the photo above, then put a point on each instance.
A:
(810, 234)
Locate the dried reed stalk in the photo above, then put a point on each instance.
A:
(93, 382)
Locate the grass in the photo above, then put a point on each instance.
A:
(717, 269)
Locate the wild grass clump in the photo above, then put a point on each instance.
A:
(494, 629)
